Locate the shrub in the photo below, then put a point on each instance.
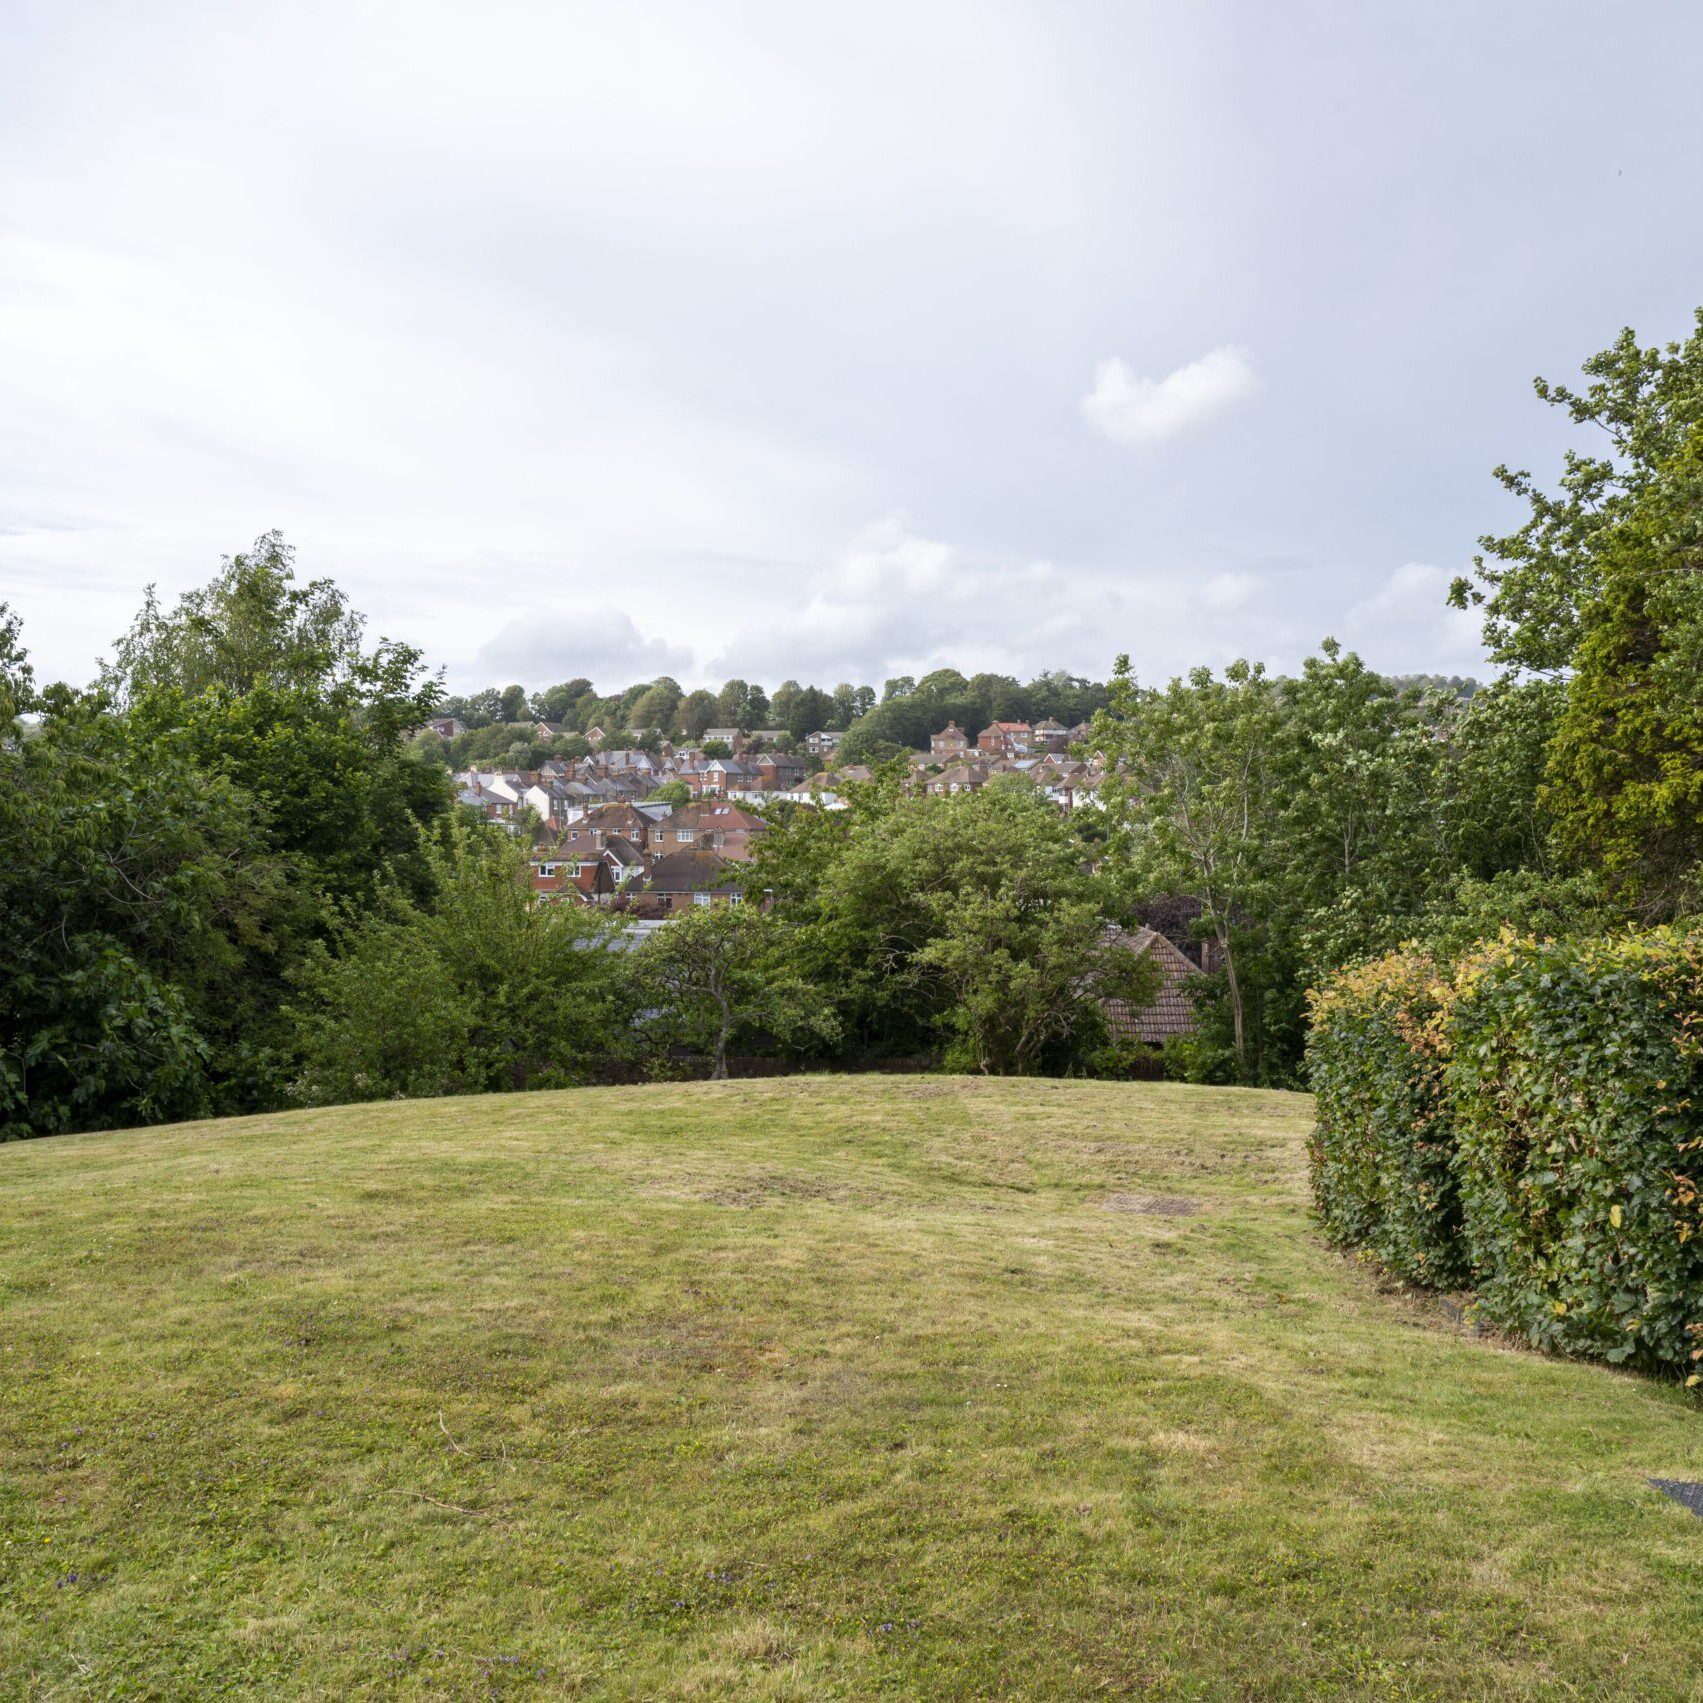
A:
(1382, 1155)
(1573, 1082)
(1527, 1124)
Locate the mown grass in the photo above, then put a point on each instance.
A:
(813, 1388)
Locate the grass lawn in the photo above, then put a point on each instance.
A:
(824, 1387)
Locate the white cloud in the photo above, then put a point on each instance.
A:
(603, 644)
(897, 602)
(1224, 593)
(1130, 409)
(1407, 626)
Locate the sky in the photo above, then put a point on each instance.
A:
(814, 341)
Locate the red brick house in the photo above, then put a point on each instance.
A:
(950, 744)
(1006, 739)
(725, 829)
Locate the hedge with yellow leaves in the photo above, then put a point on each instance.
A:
(1382, 1157)
(1562, 1084)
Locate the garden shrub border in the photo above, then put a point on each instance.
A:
(1526, 1123)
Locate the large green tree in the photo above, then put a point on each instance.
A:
(1535, 583)
(138, 897)
(475, 988)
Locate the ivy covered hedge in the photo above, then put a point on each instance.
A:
(1527, 1123)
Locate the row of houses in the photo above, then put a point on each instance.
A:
(1006, 739)
(650, 860)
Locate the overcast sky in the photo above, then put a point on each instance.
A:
(812, 339)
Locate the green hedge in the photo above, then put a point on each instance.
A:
(1383, 1154)
(1541, 1105)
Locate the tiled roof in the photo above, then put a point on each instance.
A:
(1172, 1012)
(689, 872)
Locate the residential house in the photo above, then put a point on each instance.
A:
(722, 775)
(1172, 1013)
(720, 827)
(728, 736)
(950, 744)
(683, 879)
(1052, 736)
(444, 726)
(1006, 739)
(588, 835)
(824, 743)
(960, 777)
(778, 772)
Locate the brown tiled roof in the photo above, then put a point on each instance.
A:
(1172, 1012)
(689, 872)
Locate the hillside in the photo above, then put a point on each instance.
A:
(826, 1388)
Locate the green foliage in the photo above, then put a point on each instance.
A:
(1194, 803)
(1535, 583)
(1382, 1156)
(1575, 1078)
(141, 911)
(1556, 1084)
(1625, 768)
(674, 792)
(479, 988)
(720, 971)
(967, 923)
(250, 627)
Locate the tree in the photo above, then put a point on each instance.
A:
(511, 704)
(1625, 767)
(967, 922)
(477, 989)
(656, 706)
(675, 792)
(1534, 583)
(267, 684)
(718, 971)
(697, 713)
(1195, 801)
(250, 627)
(731, 703)
(556, 703)
(133, 923)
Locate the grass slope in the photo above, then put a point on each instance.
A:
(816, 1388)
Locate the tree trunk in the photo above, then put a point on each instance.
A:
(1238, 1028)
(719, 1073)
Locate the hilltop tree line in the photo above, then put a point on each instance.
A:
(503, 725)
(231, 883)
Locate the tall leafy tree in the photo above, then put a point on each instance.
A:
(140, 896)
(1199, 765)
(477, 988)
(1626, 762)
(718, 972)
(1534, 583)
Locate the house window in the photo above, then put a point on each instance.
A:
(546, 869)
(700, 898)
(684, 836)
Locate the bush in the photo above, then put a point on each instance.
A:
(1573, 1083)
(1382, 1158)
(1527, 1124)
